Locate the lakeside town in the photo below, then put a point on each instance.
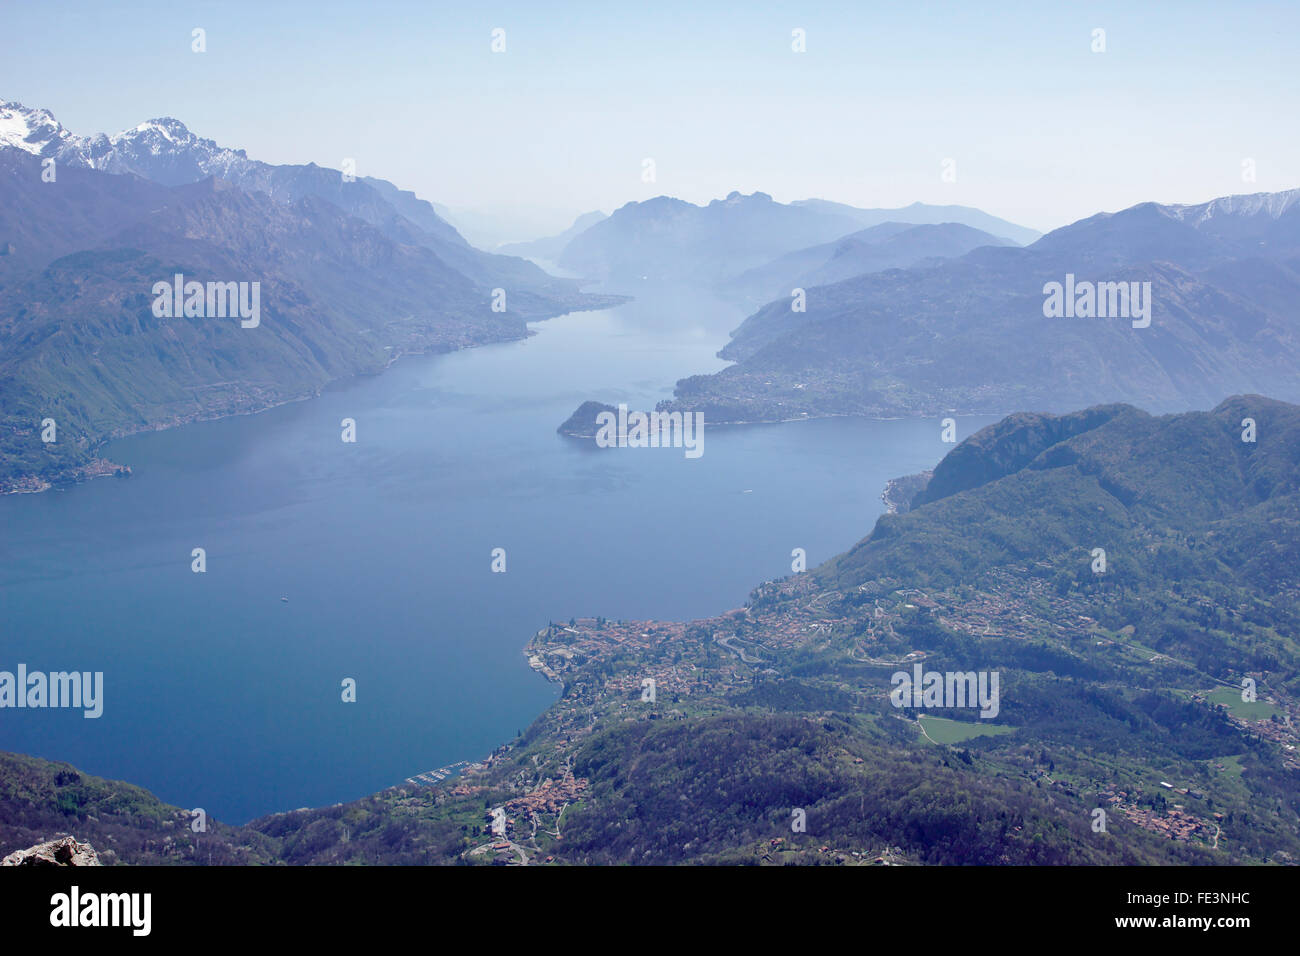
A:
(668, 671)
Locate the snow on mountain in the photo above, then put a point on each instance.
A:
(1273, 205)
(33, 131)
(164, 149)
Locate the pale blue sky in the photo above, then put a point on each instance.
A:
(1043, 130)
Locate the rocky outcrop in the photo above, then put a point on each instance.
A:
(64, 852)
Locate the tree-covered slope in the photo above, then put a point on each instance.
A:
(1147, 706)
(971, 335)
(80, 343)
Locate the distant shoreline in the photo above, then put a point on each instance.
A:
(32, 483)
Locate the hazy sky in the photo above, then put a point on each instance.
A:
(1043, 130)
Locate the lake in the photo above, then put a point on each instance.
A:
(219, 694)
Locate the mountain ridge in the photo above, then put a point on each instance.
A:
(79, 343)
(167, 152)
(665, 238)
(971, 335)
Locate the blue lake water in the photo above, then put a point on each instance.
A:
(220, 695)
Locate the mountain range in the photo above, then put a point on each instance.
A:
(352, 274)
(889, 245)
(165, 151)
(666, 239)
(973, 334)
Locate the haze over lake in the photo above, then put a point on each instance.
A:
(220, 695)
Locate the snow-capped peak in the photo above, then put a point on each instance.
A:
(168, 128)
(33, 131)
(163, 149)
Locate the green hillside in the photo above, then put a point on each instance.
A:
(708, 741)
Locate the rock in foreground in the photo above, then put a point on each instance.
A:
(64, 852)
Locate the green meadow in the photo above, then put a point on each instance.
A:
(944, 731)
